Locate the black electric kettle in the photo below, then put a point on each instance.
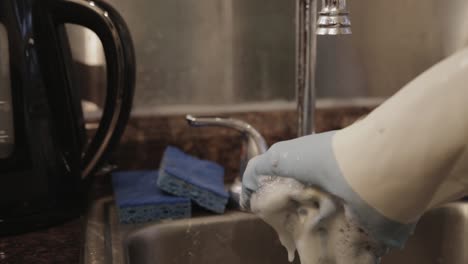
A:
(44, 154)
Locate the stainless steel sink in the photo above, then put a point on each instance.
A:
(237, 237)
(232, 238)
(441, 237)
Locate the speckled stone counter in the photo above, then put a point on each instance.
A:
(141, 148)
(147, 136)
(60, 244)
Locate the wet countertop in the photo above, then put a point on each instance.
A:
(146, 137)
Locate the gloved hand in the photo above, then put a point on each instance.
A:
(311, 161)
(406, 157)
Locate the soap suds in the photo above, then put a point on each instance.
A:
(319, 226)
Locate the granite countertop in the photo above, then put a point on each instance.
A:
(146, 137)
(59, 244)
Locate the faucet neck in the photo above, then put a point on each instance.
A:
(306, 13)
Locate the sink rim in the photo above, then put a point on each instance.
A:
(106, 240)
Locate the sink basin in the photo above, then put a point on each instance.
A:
(237, 237)
(232, 238)
(441, 237)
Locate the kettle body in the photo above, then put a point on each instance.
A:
(45, 157)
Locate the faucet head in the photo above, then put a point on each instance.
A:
(333, 18)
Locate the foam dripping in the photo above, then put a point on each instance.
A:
(314, 223)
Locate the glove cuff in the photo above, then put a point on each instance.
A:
(392, 233)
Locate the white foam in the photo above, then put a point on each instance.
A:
(317, 225)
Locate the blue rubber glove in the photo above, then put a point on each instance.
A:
(311, 161)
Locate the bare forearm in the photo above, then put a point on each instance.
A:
(407, 148)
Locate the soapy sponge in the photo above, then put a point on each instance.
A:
(139, 200)
(200, 180)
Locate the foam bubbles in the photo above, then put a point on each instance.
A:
(319, 226)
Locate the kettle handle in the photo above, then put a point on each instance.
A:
(110, 27)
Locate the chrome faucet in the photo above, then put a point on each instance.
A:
(333, 19)
(253, 144)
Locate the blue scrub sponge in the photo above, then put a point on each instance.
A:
(139, 200)
(200, 180)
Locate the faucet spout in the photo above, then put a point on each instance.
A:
(333, 18)
(254, 144)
